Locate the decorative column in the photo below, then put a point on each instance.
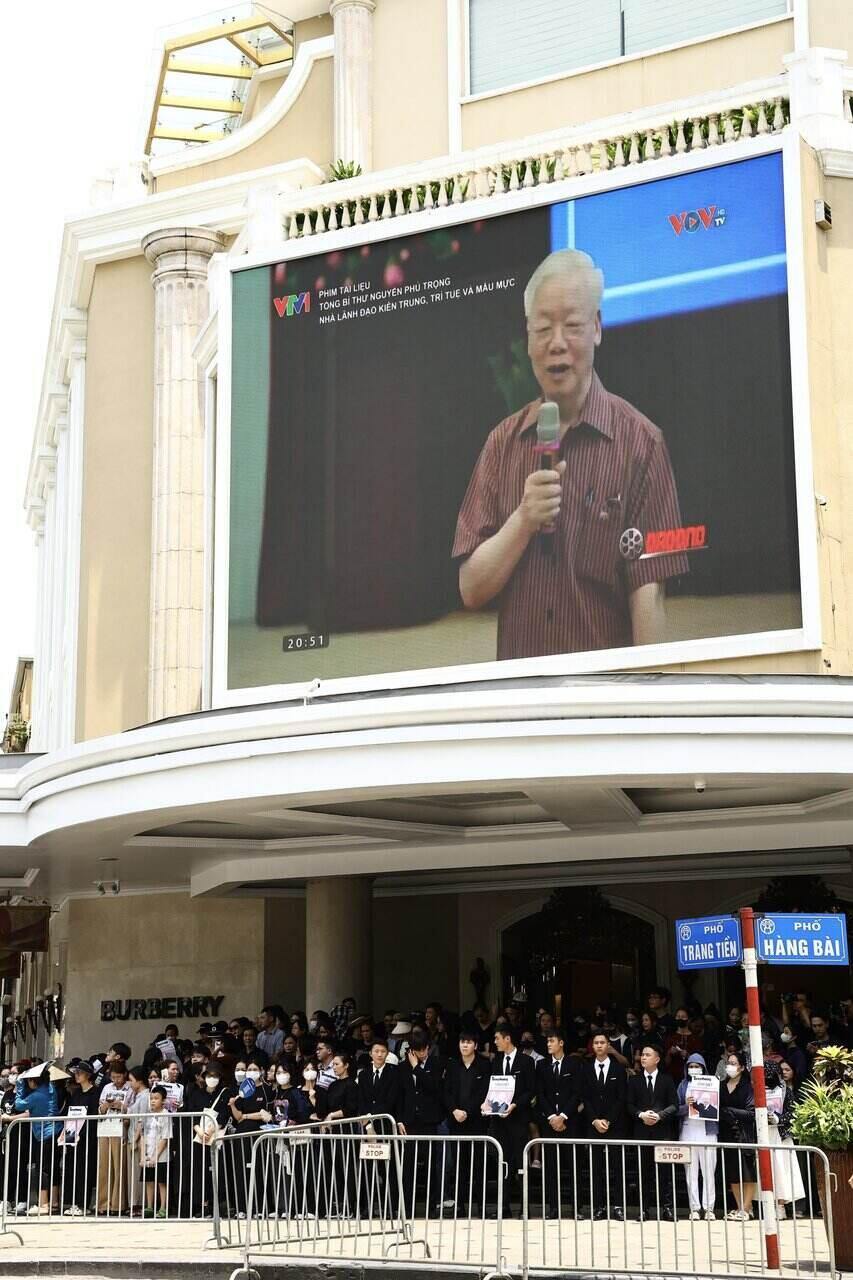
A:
(816, 95)
(180, 257)
(353, 21)
(338, 937)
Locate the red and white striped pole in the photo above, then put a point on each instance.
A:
(759, 1090)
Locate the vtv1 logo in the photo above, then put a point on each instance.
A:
(696, 218)
(292, 304)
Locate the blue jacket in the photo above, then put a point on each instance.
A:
(712, 1127)
(41, 1101)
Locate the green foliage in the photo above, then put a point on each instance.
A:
(340, 170)
(17, 733)
(824, 1115)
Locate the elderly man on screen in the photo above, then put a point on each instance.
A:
(569, 590)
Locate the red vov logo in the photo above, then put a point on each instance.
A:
(696, 218)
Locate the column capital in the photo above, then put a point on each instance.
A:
(337, 5)
(183, 251)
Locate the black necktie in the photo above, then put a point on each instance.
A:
(650, 1088)
(506, 1064)
(556, 1069)
(601, 1073)
(375, 1079)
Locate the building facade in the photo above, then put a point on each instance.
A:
(205, 829)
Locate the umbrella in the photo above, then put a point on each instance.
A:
(55, 1073)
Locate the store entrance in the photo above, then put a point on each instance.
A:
(576, 952)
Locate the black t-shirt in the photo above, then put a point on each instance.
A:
(89, 1099)
(261, 1100)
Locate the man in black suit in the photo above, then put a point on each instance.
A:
(558, 1102)
(652, 1105)
(422, 1111)
(510, 1127)
(604, 1085)
(380, 1090)
(466, 1083)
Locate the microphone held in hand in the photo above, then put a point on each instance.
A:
(548, 447)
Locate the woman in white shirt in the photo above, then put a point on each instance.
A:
(787, 1178)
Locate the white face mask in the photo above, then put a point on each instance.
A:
(13, 1076)
(786, 1037)
(310, 1074)
(731, 1070)
(282, 1078)
(253, 1075)
(211, 1082)
(239, 1076)
(694, 1071)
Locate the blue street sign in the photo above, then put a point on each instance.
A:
(802, 939)
(711, 943)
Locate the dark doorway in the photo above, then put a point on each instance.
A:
(576, 952)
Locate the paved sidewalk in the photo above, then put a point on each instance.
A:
(54, 1246)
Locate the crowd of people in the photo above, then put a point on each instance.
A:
(606, 1076)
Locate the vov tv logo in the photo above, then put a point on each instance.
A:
(691, 221)
(292, 304)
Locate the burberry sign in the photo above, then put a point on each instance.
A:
(158, 1007)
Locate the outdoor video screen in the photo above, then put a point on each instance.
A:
(561, 430)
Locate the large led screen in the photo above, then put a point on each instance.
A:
(400, 499)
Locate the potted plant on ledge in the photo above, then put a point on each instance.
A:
(824, 1118)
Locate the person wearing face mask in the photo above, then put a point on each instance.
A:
(290, 1105)
(680, 1044)
(792, 1053)
(210, 1094)
(788, 1184)
(251, 1109)
(732, 1046)
(737, 1124)
(704, 1158)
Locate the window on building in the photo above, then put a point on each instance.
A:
(513, 41)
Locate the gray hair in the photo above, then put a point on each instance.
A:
(573, 264)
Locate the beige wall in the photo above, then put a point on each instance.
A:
(159, 945)
(116, 525)
(831, 24)
(829, 283)
(409, 81)
(304, 132)
(628, 85)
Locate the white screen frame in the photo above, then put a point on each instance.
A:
(806, 638)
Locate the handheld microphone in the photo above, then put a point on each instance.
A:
(548, 447)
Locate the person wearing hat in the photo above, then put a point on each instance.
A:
(36, 1098)
(398, 1041)
(80, 1140)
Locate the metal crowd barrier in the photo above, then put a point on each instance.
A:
(232, 1162)
(628, 1206)
(351, 1197)
(89, 1168)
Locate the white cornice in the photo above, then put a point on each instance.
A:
(309, 53)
